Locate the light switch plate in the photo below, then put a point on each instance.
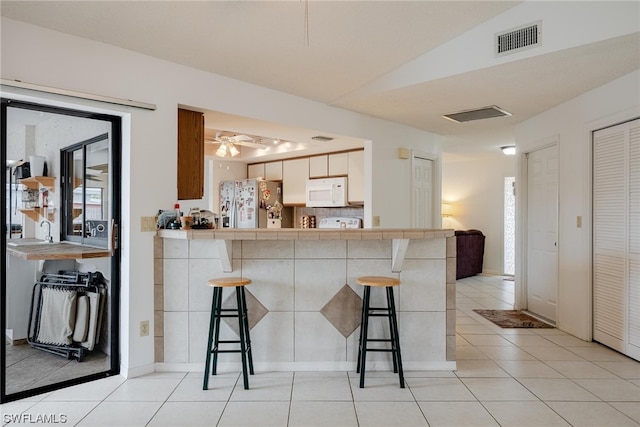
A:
(144, 328)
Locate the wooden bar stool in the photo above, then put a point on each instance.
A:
(217, 313)
(390, 312)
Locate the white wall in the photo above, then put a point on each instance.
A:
(474, 186)
(40, 56)
(572, 124)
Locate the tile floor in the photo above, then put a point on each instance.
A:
(534, 377)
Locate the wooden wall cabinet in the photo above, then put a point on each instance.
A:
(190, 155)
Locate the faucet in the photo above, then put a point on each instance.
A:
(48, 239)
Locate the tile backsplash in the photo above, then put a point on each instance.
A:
(351, 211)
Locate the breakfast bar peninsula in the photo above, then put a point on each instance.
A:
(304, 303)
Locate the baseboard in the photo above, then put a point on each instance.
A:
(137, 371)
(307, 366)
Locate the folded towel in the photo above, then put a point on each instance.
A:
(57, 316)
(93, 330)
(82, 319)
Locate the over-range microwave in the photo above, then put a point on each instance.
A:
(327, 192)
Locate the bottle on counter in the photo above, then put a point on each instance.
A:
(177, 222)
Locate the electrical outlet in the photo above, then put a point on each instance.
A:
(376, 221)
(144, 328)
(147, 223)
(579, 221)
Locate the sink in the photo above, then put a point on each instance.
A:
(27, 242)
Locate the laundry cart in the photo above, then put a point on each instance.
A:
(66, 313)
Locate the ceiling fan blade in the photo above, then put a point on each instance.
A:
(252, 144)
(238, 138)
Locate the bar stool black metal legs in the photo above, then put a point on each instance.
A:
(390, 312)
(217, 313)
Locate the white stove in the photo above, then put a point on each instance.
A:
(340, 222)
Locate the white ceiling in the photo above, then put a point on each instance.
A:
(336, 51)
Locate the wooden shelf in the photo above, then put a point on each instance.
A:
(33, 213)
(36, 213)
(35, 182)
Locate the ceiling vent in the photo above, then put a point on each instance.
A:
(477, 114)
(518, 39)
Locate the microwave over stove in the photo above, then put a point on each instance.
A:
(327, 192)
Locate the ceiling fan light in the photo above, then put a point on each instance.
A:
(233, 150)
(222, 150)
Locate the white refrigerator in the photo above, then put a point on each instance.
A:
(253, 203)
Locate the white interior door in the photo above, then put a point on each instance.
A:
(422, 185)
(542, 232)
(616, 237)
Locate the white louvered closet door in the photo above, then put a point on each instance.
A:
(616, 237)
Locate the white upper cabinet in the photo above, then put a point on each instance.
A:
(273, 171)
(318, 166)
(295, 174)
(338, 164)
(255, 171)
(355, 185)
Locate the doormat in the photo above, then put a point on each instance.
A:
(512, 319)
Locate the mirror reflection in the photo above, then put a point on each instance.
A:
(58, 309)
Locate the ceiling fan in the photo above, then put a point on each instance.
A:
(228, 144)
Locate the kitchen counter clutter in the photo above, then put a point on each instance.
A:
(304, 304)
(307, 234)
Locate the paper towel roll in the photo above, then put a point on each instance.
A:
(37, 165)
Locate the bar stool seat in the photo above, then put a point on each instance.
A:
(390, 312)
(217, 313)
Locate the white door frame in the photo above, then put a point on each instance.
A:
(522, 255)
(436, 193)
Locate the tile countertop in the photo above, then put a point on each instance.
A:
(58, 250)
(308, 234)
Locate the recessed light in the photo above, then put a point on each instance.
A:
(509, 150)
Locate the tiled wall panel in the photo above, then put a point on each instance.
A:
(309, 298)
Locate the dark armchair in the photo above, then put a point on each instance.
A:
(470, 252)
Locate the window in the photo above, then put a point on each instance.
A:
(85, 191)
